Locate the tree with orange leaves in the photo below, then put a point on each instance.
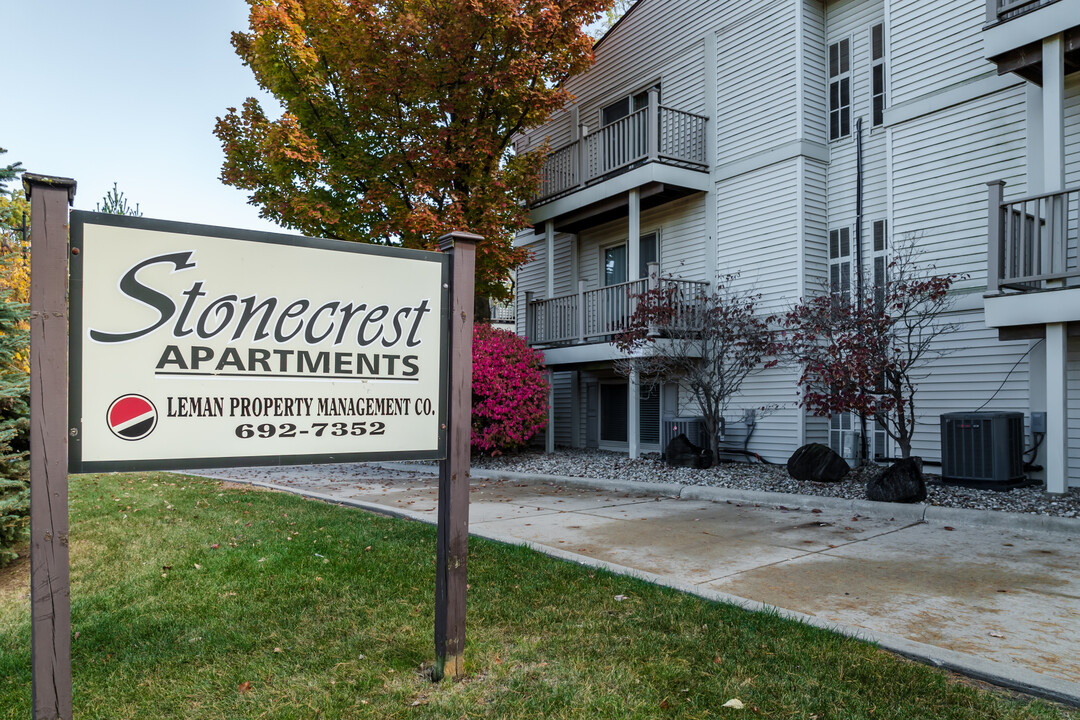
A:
(14, 221)
(399, 117)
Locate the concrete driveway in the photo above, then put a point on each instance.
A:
(993, 595)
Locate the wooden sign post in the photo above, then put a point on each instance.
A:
(50, 593)
(419, 408)
(453, 529)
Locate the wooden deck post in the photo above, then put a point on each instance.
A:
(50, 591)
(581, 312)
(453, 521)
(653, 124)
(995, 193)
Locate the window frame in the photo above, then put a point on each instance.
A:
(878, 74)
(880, 258)
(602, 249)
(631, 99)
(841, 260)
(837, 81)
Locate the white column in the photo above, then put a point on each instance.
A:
(633, 242)
(1056, 408)
(1053, 112)
(549, 436)
(1034, 106)
(1037, 396)
(1053, 139)
(575, 410)
(710, 155)
(549, 251)
(633, 414)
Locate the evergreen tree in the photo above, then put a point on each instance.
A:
(115, 203)
(14, 430)
(14, 414)
(8, 172)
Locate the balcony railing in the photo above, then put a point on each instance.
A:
(596, 315)
(1002, 10)
(1032, 240)
(651, 134)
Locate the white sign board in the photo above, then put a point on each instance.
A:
(195, 346)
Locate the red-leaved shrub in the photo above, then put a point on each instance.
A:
(509, 391)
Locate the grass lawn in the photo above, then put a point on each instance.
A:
(194, 600)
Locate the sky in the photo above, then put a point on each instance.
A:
(127, 91)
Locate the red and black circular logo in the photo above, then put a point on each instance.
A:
(132, 417)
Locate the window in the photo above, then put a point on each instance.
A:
(615, 259)
(845, 437)
(840, 89)
(840, 261)
(624, 106)
(881, 261)
(613, 412)
(877, 73)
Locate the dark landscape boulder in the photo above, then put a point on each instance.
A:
(680, 452)
(817, 463)
(902, 482)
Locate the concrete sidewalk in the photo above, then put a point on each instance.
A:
(992, 595)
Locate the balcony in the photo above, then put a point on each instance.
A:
(659, 150)
(1015, 29)
(1003, 10)
(1033, 271)
(596, 315)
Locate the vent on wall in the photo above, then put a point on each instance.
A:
(983, 450)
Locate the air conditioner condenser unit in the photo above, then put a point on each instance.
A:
(983, 449)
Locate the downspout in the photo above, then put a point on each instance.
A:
(858, 256)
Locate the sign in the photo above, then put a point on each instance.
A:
(196, 346)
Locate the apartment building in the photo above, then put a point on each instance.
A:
(793, 142)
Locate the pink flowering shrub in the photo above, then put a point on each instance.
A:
(509, 392)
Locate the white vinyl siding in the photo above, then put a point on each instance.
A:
(681, 229)
(561, 383)
(941, 164)
(531, 277)
(934, 45)
(952, 383)
(1072, 130)
(756, 90)
(765, 252)
(815, 233)
(814, 88)
(1073, 413)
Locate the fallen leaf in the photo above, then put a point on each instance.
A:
(620, 598)
(664, 704)
(734, 704)
(816, 510)
(996, 634)
(244, 687)
(198, 566)
(277, 649)
(215, 546)
(949, 527)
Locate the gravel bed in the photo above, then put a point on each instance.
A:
(773, 478)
